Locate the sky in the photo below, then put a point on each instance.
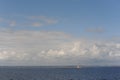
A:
(59, 32)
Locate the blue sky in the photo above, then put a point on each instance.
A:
(74, 16)
(72, 20)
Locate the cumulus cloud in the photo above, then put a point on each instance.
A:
(55, 48)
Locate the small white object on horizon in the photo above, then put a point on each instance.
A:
(78, 66)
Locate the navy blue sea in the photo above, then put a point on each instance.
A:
(36, 73)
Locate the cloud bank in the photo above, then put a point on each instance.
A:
(55, 48)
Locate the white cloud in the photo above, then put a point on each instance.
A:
(55, 48)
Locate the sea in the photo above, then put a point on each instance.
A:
(38, 73)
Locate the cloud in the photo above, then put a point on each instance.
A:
(1, 19)
(12, 23)
(95, 30)
(25, 21)
(45, 19)
(55, 48)
(36, 24)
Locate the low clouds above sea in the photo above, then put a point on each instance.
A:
(25, 47)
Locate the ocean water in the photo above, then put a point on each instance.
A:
(36, 73)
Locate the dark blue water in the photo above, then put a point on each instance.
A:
(32, 73)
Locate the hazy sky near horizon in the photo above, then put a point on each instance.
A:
(59, 32)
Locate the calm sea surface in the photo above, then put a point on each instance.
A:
(33, 73)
